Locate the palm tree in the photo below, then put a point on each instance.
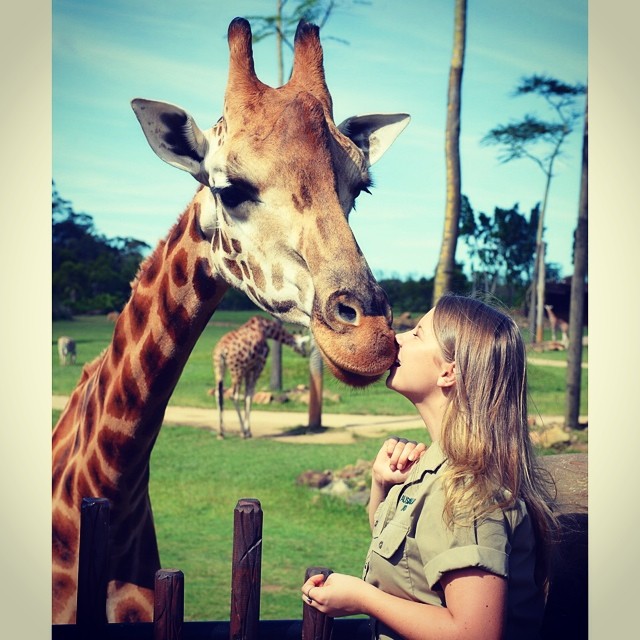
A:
(446, 261)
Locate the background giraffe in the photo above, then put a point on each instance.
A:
(278, 179)
(243, 352)
(556, 322)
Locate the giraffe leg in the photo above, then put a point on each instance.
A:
(248, 398)
(236, 402)
(219, 404)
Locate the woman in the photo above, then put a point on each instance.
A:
(460, 531)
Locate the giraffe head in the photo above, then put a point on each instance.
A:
(281, 178)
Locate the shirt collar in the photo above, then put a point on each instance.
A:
(430, 461)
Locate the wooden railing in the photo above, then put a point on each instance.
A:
(565, 617)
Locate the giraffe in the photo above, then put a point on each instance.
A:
(555, 321)
(244, 352)
(270, 217)
(66, 350)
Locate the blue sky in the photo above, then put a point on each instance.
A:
(397, 59)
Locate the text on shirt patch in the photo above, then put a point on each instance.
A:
(406, 501)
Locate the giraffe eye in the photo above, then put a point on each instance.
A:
(236, 193)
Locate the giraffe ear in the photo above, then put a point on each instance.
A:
(174, 136)
(374, 133)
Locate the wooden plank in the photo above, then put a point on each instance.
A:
(91, 618)
(315, 624)
(246, 570)
(168, 605)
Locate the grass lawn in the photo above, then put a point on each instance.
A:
(93, 334)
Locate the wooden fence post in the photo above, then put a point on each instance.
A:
(91, 618)
(246, 570)
(315, 624)
(168, 605)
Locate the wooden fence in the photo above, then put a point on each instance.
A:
(566, 613)
(244, 619)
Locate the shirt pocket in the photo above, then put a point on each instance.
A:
(390, 540)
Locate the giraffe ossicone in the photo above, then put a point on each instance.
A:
(278, 179)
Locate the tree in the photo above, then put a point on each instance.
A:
(89, 271)
(446, 261)
(541, 142)
(500, 248)
(576, 306)
(283, 25)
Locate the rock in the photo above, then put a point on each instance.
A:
(552, 436)
(314, 479)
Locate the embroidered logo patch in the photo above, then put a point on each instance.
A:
(406, 502)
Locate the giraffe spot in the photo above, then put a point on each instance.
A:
(204, 285)
(224, 243)
(118, 344)
(233, 268)
(284, 306)
(116, 447)
(179, 266)
(160, 372)
(195, 232)
(277, 276)
(237, 245)
(176, 233)
(137, 312)
(173, 315)
(65, 535)
(124, 400)
(151, 268)
(63, 588)
(245, 270)
(258, 274)
(84, 487)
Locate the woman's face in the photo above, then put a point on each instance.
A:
(420, 362)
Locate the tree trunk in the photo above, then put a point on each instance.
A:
(576, 308)
(279, 43)
(446, 261)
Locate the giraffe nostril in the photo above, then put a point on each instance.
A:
(347, 314)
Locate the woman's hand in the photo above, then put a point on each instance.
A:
(336, 596)
(395, 460)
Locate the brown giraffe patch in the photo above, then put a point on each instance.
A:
(204, 286)
(277, 276)
(257, 273)
(140, 307)
(232, 266)
(173, 314)
(179, 268)
(175, 235)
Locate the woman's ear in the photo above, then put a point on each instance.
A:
(447, 377)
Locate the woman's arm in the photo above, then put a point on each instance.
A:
(476, 605)
(392, 466)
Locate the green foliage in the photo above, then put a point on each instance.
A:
(501, 249)
(91, 273)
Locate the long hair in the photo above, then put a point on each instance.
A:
(485, 431)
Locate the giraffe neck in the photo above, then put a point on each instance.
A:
(103, 441)
(276, 331)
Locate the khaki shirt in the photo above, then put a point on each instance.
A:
(412, 548)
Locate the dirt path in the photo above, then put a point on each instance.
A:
(287, 426)
(291, 427)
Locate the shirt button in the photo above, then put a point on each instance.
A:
(380, 545)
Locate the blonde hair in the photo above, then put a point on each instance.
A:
(485, 432)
